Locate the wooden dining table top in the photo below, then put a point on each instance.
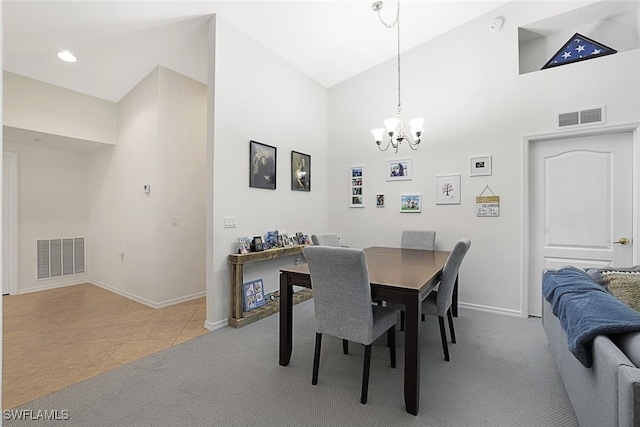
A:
(395, 267)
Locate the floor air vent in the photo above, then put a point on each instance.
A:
(583, 117)
(59, 257)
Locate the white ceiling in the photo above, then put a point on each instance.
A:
(119, 42)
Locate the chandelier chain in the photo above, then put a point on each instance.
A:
(395, 127)
(398, 22)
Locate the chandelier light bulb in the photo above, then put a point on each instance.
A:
(392, 126)
(378, 134)
(417, 123)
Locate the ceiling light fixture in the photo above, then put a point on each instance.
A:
(67, 56)
(395, 126)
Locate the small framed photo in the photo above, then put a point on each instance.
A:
(300, 171)
(480, 165)
(411, 202)
(253, 293)
(399, 169)
(448, 189)
(380, 200)
(262, 165)
(257, 244)
(356, 185)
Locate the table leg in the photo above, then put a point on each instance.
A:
(286, 319)
(454, 304)
(413, 310)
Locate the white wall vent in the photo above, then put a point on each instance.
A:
(588, 116)
(59, 257)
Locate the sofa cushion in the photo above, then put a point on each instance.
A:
(625, 286)
(629, 344)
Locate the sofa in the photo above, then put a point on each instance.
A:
(607, 392)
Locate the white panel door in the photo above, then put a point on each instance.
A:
(6, 224)
(580, 205)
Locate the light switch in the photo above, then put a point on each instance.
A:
(174, 220)
(230, 222)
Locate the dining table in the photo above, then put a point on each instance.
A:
(399, 277)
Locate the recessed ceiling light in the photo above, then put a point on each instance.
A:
(67, 56)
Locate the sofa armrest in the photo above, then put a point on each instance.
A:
(628, 396)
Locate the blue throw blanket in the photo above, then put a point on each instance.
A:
(585, 310)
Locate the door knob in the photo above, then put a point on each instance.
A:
(623, 241)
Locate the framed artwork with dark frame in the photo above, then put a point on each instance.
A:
(262, 165)
(300, 171)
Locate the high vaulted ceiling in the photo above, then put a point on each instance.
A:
(119, 42)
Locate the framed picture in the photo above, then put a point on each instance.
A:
(399, 169)
(380, 200)
(253, 293)
(262, 165)
(480, 165)
(300, 171)
(410, 203)
(448, 189)
(257, 244)
(356, 186)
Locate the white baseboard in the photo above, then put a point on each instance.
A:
(52, 286)
(145, 301)
(212, 326)
(488, 309)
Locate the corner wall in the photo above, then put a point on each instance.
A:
(255, 95)
(136, 251)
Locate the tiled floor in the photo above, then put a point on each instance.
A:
(55, 338)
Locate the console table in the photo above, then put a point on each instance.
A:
(239, 317)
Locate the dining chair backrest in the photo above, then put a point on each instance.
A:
(418, 239)
(341, 292)
(450, 274)
(325, 239)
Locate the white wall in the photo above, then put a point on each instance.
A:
(35, 105)
(53, 202)
(467, 86)
(180, 186)
(258, 96)
(122, 216)
(161, 127)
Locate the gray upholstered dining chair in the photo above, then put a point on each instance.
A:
(438, 303)
(418, 239)
(342, 303)
(325, 239)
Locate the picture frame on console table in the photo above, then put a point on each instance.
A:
(253, 294)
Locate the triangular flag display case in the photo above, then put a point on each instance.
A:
(578, 48)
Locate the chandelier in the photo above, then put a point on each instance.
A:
(394, 127)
